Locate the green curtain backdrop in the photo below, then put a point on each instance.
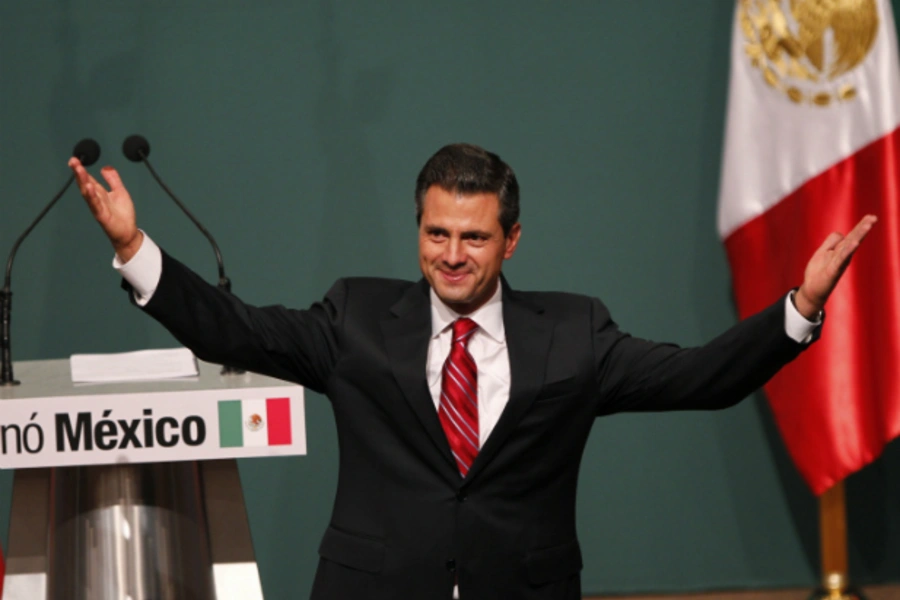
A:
(295, 130)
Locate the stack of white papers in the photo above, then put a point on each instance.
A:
(143, 365)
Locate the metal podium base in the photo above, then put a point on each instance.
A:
(162, 531)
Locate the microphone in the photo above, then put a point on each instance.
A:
(87, 151)
(136, 148)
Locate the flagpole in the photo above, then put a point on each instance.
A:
(833, 535)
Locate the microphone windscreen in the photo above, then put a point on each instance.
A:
(87, 151)
(136, 148)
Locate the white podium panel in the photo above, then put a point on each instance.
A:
(131, 489)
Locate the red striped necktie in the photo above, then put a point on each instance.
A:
(458, 409)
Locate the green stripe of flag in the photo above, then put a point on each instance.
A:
(231, 432)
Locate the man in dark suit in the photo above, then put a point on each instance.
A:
(462, 405)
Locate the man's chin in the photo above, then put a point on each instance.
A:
(452, 297)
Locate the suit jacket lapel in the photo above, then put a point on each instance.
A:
(528, 336)
(406, 336)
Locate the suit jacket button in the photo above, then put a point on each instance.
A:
(451, 565)
(461, 496)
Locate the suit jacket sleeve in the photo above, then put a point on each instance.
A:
(295, 345)
(637, 375)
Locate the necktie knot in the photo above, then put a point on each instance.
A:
(463, 328)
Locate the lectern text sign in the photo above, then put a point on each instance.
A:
(152, 427)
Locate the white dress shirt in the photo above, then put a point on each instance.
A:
(488, 349)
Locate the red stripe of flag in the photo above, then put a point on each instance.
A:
(279, 412)
(837, 404)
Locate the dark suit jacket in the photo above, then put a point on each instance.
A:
(405, 525)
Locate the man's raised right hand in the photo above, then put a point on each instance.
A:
(112, 208)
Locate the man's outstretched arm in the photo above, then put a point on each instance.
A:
(641, 375)
(295, 345)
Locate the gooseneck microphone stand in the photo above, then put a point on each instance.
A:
(136, 148)
(87, 151)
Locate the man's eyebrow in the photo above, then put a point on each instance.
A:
(468, 234)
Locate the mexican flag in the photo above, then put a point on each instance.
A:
(811, 146)
(257, 422)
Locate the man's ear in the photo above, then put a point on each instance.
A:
(512, 240)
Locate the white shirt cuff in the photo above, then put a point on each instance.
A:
(795, 325)
(142, 271)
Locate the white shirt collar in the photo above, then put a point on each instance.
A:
(489, 317)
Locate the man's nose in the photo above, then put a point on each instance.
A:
(454, 254)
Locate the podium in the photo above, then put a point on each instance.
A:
(131, 490)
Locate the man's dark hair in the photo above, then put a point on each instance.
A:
(467, 169)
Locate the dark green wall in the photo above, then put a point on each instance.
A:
(295, 131)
